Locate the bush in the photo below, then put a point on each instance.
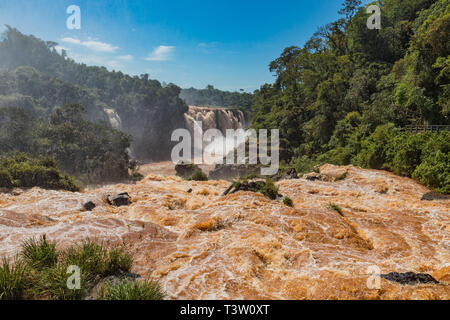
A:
(39, 254)
(434, 172)
(130, 290)
(288, 202)
(22, 171)
(96, 260)
(13, 280)
(269, 189)
(198, 176)
(342, 176)
(336, 208)
(51, 283)
(6, 180)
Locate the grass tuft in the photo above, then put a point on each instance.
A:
(288, 202)
(130, 290)
(336, 208)
(13, 280)
(198, 176)
(39, 254)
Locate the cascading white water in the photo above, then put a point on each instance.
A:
(220, 119)
(114, 119)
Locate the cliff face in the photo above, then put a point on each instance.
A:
(201, 245)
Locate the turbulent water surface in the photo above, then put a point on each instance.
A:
(202, 245)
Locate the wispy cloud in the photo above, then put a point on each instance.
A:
(208, 44)
(71, 40)
(162, 53)
(128, 57)
(92, 44)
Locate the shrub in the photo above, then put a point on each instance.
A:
(342, 176)
(198, 176)
(96, 260)
(51, 283)
(288, 202)
(434, 172)
(269, 189)
(39, 254)
(6, 180)
(336, 208)
(22, 171)
(12, 280)
(130, 290)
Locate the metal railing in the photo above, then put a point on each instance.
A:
(426, 128)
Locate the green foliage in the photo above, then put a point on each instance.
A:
(39, 253)
(22, 171)
(434, 172)
(216, 98)
(43, 272)
(348, 93)
(13, 280)
(96, 260)
(288, 202)
(51, 283)
(342, 176)
(198, 176)
(130, 290)
(36, 79)
(269, 189)
(335, 207)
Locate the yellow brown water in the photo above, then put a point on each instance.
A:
(202, 245)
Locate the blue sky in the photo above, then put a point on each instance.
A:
(227, 43)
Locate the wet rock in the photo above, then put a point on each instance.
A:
(313, 176)
(435, 196)
(409, 278)
(291, 173)
(231, 171)
(89, 206)
(185, 169)
(288, 174)
(122, 199)
(189, 190)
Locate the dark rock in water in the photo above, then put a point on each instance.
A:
(291, 173)
(189, 191)
(435, 196)
(89, 206)
(409, 278)
(312, 177)
(122, 199)
(288, 174)
(185, 170)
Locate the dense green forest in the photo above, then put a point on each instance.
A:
(213, 97)
(37, 78)
(52, 106)
(347, 95)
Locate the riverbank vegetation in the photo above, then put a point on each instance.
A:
(41, 271)
(347, 95)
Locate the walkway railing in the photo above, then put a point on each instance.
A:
(426, 128)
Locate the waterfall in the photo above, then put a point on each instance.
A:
(214, 118)
(114, 119)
